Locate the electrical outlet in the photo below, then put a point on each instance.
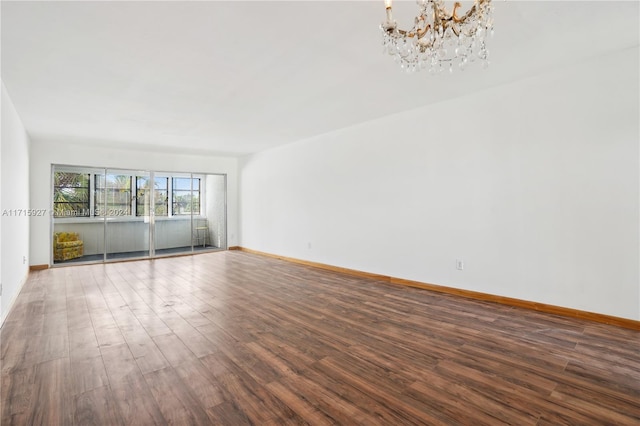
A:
(309, 245)
(459, 264)
(24, 259)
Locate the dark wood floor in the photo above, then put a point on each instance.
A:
(233, 338)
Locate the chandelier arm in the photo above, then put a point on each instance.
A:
(473, 9)
(423, 32)
(467, 15)
(418, 33)
(454, 14)
(436, 17)
(461, 19)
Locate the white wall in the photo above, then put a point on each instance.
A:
(14, 158)
(45, 153)
(535, 185)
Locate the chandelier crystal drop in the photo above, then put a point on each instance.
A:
(440, 39)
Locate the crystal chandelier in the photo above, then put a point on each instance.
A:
(439, 39)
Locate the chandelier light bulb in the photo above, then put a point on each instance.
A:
(439, 38)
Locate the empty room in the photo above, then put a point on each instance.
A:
(320, 212)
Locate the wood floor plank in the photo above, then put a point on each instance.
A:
(120, 364)
(55, 323)
(96, 407)
(87, 374)
(597, 411)
(153, 325)
(330, 402)
(173, 349)
(259, 405)
(216, 335)
(52, 400)
(14, 356)
(145, 352)
(514, 374)
(83, 343)
(516, 400)
(232, 338)
(471, 402)
(136, 403)
(228, 413)
(300, 405)
(217, 363)
(77, 313)
(201, 382)
(173, 320)
(380, 406)
(251, 364)
(110, 336)
(626, 404)
(177, 403)
(47, 347)
(18, 390)
(196, 342)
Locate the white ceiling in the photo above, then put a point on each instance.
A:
(240, 77)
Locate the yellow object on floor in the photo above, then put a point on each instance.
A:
(67, 245)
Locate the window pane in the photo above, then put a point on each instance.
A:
(162, 199)
(161, 185)
(113, 195)
(70, 194)
(182, 184)
(184, 201)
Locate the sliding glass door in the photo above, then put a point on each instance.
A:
(173, 228)
(126, 214)
(77, 233)
(112, 214)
